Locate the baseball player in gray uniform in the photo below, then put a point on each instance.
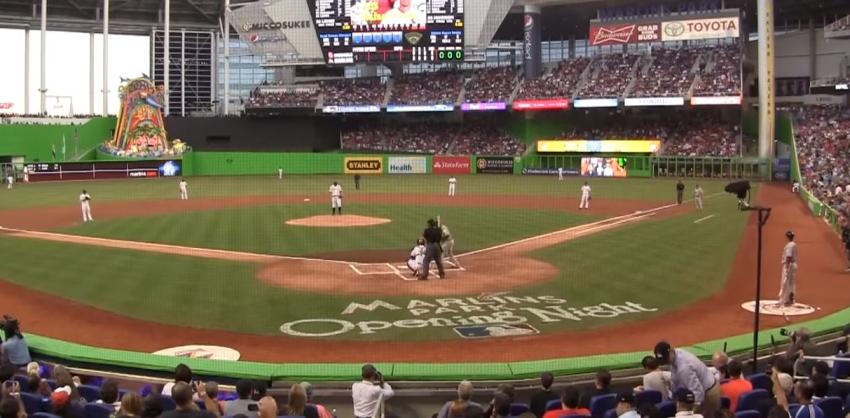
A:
(789, 271)
(447, 242)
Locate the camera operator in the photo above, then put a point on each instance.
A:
(368, 393)
(800, 345)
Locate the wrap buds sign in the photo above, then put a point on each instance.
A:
(450, 165)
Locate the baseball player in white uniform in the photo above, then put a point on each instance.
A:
(85, 205)
(417, 255)
(585, 197)
(26, 174)
(10, 180)
(698, 194)
(184, 192)
(560, 173)
(452, 185)
(447, 242)
(280, 173)
(789, 271)
(795, 187)
(336, 198)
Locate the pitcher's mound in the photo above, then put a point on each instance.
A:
(335, 221)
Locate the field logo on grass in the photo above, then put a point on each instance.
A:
(209, 352)
(406, 165)
(468, 317)
(363, 165)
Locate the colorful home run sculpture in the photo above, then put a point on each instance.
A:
(139, 128)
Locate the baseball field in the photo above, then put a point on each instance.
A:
(227, 267)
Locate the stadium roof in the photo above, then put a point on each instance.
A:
(562, 17)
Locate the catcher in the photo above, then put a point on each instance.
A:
(417, 255)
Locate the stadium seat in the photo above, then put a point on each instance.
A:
(553, 405)
(573, 416)
(666, 409)
(98, 410)
(831, 406)
(841, 369)
(22, 380)
(89, 393)
(847, 405)
(518, 408)
(750, 400)
(168, 403)
(52, 383)
(602, 403)
(611, 413)
(725, 402)
(44, 415)
(760, 381)
(32, 402)
(201, 405)
(748, 414)
(648, 396)
(793, 408)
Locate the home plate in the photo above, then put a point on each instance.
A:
(771, 307)
(306, 199)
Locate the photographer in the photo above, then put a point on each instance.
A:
(368, 393)
(800, 345)
(11, 405)
(15, 349)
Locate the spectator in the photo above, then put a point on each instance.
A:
(842, 346)
(804, 391)
(503, 389)
(268, 407)
(685, 401)
(11, 405)
(62, 404)
(182, 373)
(601, 385)
(543, 395)
(436, 88)
(244, 404)
(182, 393)
(63, 378)
(737, 385)
(820, 385)
(323, 412)
(490, 85)
(502, 405)
(719, 365)
(667, 72)
(561, 82)
(211, 389)
(688, 372)
(152, 406)
(15, 348)
(569, 404)
(368, 393)
(353, 92)
(259, 390)
(131, 406)
(655, 379)
(296, 405)
(625, 406)
(609, 76)
(474, 412)
(38, 386)
(109, 394)
(464, 396)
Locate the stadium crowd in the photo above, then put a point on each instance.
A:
(668, 73)
(354, 91)
(722, 73)
(440, 87)
(281, 99)
(609, 76)
(475, 137)
(562, 81)
(490, 85)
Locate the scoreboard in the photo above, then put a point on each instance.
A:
(362, 31)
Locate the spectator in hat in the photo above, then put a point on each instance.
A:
(655, 379)
(804, 391)
(63, 405)
(569, 404)
(323, 412)
(183, 395)
(244, 391)
(688, 372)
(131, 406)
(626, 406)
(685, 401)
(737, 385)
(543, 395)
(463, 401)
(601, 387)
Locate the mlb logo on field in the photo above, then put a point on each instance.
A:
(495, 330)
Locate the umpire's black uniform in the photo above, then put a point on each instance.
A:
(680, 191)
(433, 251)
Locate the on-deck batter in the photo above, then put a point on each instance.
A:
(336, 198)
(788, 287)
(184, 192)
(585, 197)
(85, 205)
(452, 185)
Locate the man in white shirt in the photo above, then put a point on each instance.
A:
(452, 185)
(280, 173)
(789, 271)
(184, 192)
(336, 198)
(585, 197)
(625, 406)
(370, 392)
(655, 379)
(85, 205)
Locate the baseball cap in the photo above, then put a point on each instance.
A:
(789, 233)
(626, 398)
(685, 396)
(60, 397)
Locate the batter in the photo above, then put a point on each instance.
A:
(448, 245)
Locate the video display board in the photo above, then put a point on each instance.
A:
(360, 31)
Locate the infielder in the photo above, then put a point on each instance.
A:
(280, 173)
(452, 185)
(417, 255)
(447, 242)
(585, 197)
(10, 180)
(26, 174)
(560, 173)
(184, 193)
(336, 198)
(85, 205)
(789, 271)
(698, 194)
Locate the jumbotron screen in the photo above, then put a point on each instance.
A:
(360, 31)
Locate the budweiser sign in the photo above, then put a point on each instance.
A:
(620, 34)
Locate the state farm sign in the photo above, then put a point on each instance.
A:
(620, 34)
(683, 30)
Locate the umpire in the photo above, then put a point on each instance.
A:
(433, 234)
(680, 191)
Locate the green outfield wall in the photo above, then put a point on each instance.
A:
(35, 142)
(204, 163)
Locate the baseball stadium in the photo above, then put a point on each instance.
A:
(613, 209)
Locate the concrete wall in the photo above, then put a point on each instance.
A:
(795, 56)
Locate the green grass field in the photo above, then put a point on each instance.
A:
(672, 260)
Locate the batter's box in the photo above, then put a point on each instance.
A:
(371, 268)
(495, 330)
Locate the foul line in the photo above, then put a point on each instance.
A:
(705, 218)
(395, 270)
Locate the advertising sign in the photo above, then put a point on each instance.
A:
(711, 28)
(642, 146)
(548, 171)
(483, 106)
(103, 170)
(716, 100)
(406, 165)
(421, 108)
(782, 169)
(443, 164)
(655, 101)
(604, 167)
(589, 103)
(621, 34)
(495, 165)
(541, 104)
(364, 165)
(352, 109)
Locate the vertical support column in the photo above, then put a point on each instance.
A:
(91, 73)
(43, 85)
(532, 57)
(226, 41)
(213, 69)
(26, 71)
(813, 51)
(105, 58)
(767, 101)
(166, 57)
(183, 72)
(571, 46)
